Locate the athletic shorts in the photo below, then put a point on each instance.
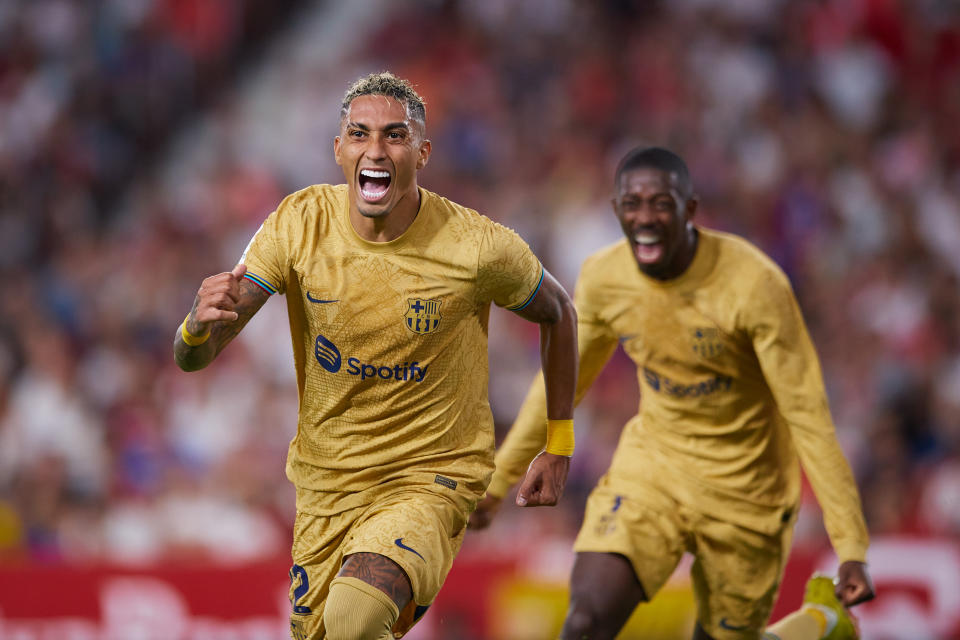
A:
(420, 531)
(736, 571)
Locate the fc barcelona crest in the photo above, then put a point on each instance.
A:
(422, 316)
(707, 342)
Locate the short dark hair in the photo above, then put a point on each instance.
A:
(656, 158)
(389, 85)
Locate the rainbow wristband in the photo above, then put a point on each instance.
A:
(560, 437)
(189, 338)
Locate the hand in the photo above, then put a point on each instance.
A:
(544, 482)
(853, 583)
(215, 300)
(483, 514)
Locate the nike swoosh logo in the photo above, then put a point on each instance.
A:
(318, 300)
(399, 543)
(733, 627)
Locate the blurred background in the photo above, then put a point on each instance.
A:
(142, 142)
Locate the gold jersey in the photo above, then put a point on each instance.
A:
(390, 345)
(731, 390)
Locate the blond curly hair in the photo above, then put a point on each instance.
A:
(389, 85)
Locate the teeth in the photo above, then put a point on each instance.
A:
(371, 195)
(373, 173)
(646, 238)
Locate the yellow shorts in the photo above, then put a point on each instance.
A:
(736, 572)
(420, 531)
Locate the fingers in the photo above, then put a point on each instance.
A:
(218, 295)
(483, 515)
(853, 585)
(523, 494)
(544, 482)
(223, 283)
(538, 492)
(529, 488)
(215, 307)
(478, 521)
(854, 593)
(213, 314)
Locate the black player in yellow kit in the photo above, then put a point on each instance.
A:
(388, 290)
(732, 396)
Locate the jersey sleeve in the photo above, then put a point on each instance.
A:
(508, 272)
(528, 435)
(792, 371)
(266, 257)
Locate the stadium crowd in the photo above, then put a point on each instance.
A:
(823, 130)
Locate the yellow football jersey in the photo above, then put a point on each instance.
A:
(390, 344)
(731, 390)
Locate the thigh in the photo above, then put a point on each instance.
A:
(736, 577)
(641, 527)
(419, 532)
(317, 556)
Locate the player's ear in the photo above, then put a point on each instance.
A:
(336, 150)
(424, 154)
(692, 202)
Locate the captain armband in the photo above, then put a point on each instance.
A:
(560, 437)
(189, 338)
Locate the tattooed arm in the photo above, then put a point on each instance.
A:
(223, 306)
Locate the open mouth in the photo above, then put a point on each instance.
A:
(648, 247)
(374, 184)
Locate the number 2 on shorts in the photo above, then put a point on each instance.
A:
(296, 571)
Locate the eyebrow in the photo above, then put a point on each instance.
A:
(658, 194)
(392, 125)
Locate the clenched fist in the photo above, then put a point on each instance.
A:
(216, 300)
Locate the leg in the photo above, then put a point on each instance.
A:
(821, 616)
(366, 598)
(604, 591)
(317, 558)
(700, 634)
(795, 626)
(380, 572)
(736, 576)
(627, 548)
(404, 547)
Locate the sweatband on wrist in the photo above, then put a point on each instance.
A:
(189, 338)
(560, 437)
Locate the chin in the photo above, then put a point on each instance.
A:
(373, 211)
(653, 269)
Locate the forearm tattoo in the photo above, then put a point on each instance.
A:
(190, 358)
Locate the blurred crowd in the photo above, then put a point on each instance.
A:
(142, 143)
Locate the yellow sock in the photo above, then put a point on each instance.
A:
(806, 624)
(820, 616)
(356, 610)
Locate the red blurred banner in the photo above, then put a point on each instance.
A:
(917, 581)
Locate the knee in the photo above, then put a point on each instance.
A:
(355, 610)
(582, 623)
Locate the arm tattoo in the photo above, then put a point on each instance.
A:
(190, 358)
(381, 572)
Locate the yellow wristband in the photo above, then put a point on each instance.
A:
(560, 437)
(189, 338)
